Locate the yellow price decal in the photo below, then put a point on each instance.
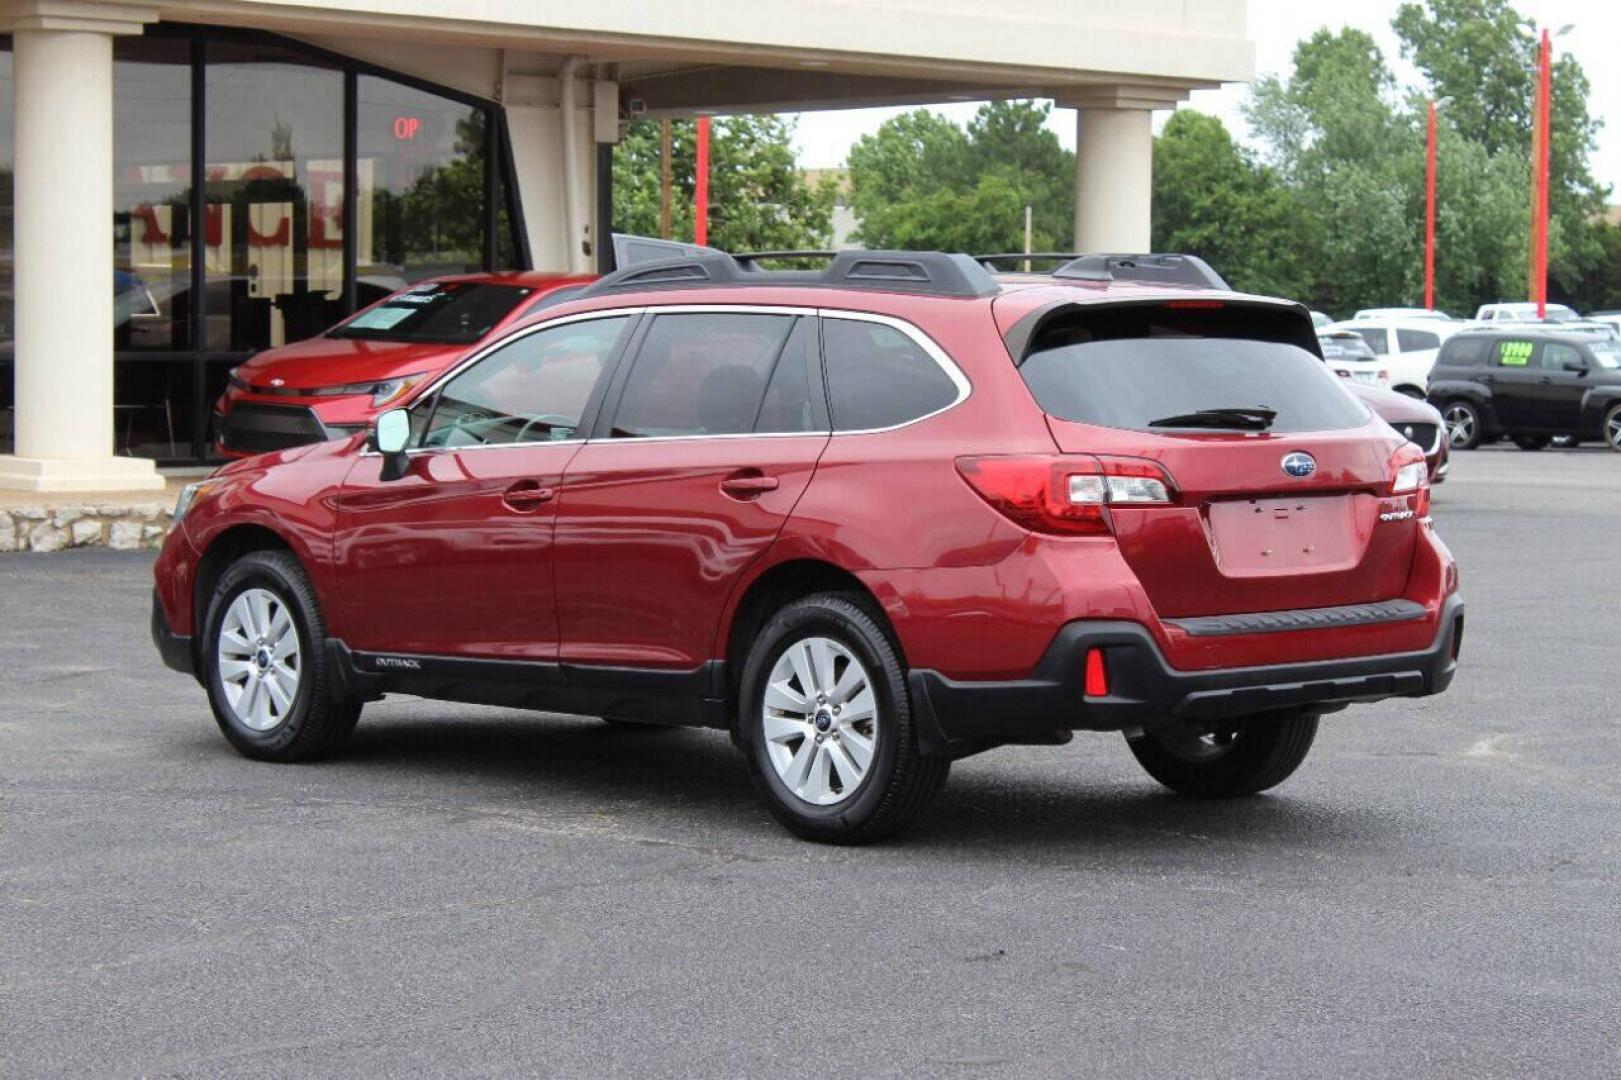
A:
(1513, 353)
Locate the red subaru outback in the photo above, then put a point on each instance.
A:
(868, 519)
(332, 385)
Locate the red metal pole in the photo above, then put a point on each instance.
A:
(700, 224)
(1536, 189)
(1429, 217)
(1546, 117)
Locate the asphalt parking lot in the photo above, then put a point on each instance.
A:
(1437, 891)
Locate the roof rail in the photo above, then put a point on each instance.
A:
(1169, 269)
(993, 262)
(930, 272)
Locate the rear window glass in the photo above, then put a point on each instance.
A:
(1464, 352)
(878, 377)
(1607, 354)
(1345, 347)
(1128, 367)
(448, 312)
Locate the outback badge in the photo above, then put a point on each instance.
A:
(1299, 464)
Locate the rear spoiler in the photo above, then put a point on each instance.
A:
(1291, 322)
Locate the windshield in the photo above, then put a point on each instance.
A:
(449, 312)
(1607, 353)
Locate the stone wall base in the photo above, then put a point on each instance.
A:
(122, 526)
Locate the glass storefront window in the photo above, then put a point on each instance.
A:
(7, 386)
(273, 234)
(271, 241)
(421, 184)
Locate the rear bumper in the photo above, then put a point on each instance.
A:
(175, 649)
(958, 718)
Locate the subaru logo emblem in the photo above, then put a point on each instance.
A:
(1299, 464)
(278, 382)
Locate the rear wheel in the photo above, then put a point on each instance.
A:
(1463, 424)
(825, 722)
(264, 653)
(1242, 757)
(1612, 428)
(1531, 442)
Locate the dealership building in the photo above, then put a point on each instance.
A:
(189, 182)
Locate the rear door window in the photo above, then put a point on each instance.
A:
(1128, 367)
(1417, 340)
(706, 373)
(1513, 354)
(878, 376)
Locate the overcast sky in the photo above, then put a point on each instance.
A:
(1276, 25)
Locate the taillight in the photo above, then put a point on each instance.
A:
(1064, 493)
(1411, 477)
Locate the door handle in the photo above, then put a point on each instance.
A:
(748, 484)
(527, 495)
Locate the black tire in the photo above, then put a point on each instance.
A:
(1462, 416)
(1531, 442)
(1612, 428)
(899, 782)
(320, 717)
(1250, 756)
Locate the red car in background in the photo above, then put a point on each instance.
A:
(332, 385)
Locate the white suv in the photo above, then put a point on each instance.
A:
(1523, 312)
(1405, 348)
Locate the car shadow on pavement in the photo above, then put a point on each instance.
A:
(698, 775)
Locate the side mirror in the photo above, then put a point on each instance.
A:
(1577, 366)
(389, 437)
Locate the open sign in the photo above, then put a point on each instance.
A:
(406, 127)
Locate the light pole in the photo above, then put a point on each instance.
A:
(1429, 207)
(1541, 153)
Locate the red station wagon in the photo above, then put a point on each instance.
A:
(869, 519)
(332, 385)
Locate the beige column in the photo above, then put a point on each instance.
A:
(1114, 166)
(62, 67)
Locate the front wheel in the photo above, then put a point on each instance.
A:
(264, 653)
(826, 724)
(1463, 424)
(1241, 757)
(1612, 428)
(1531, 442)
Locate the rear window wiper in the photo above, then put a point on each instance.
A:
(1246, 417)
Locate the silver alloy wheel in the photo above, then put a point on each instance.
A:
(821, 720)
(1612, 429)
(259, 659)
(1460, 424)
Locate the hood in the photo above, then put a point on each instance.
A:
(324, 361)
(1392, 406)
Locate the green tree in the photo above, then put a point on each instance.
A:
(1213, 200)
(758, 200)
(1483, 55)
(922, 182)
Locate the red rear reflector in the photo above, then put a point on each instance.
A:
(1195, 304)
(1097, 676)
